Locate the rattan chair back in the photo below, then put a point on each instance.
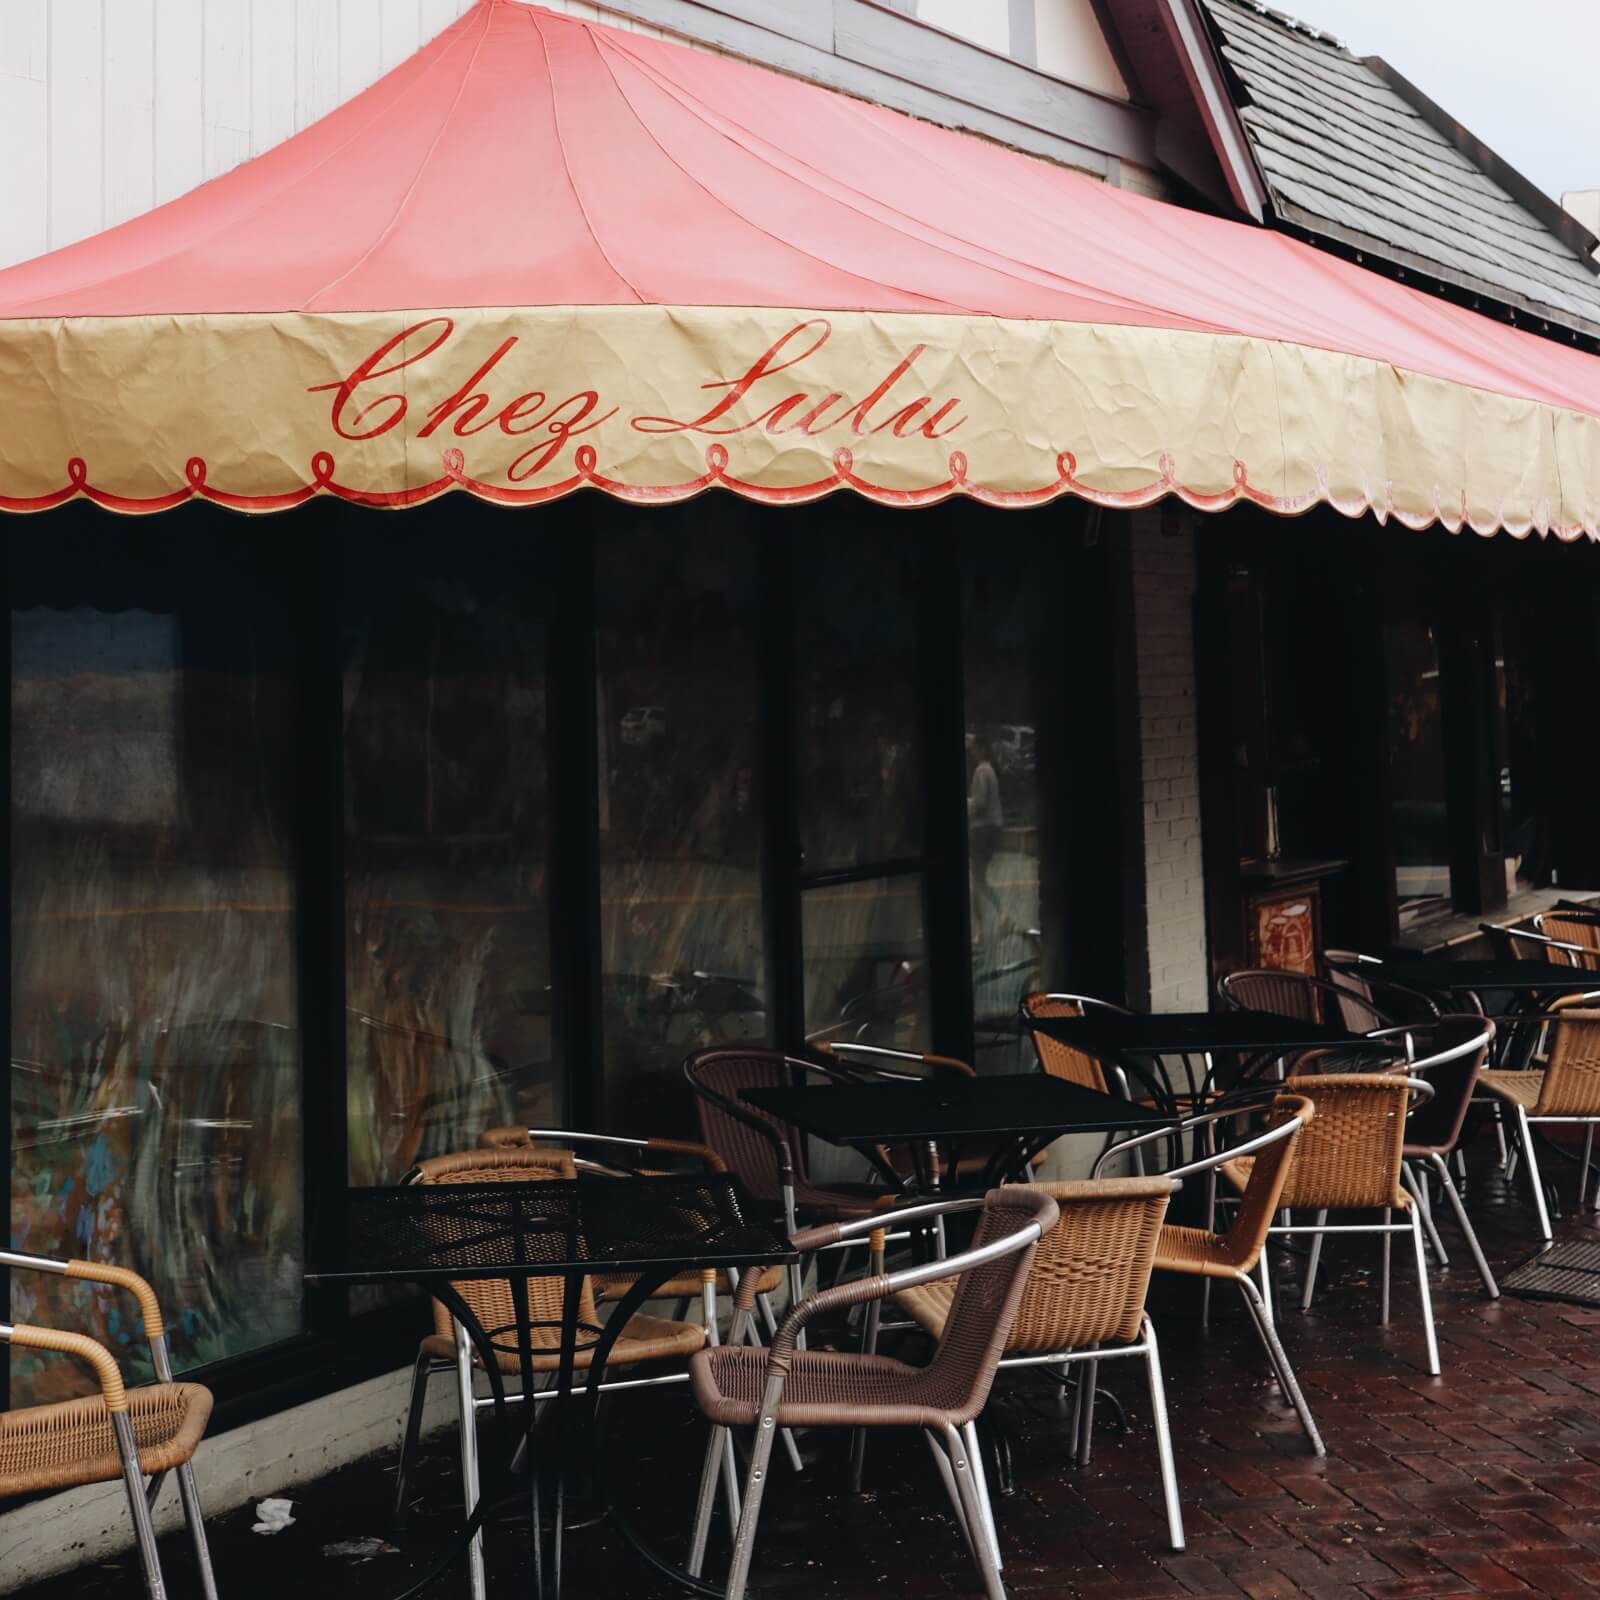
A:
(1269, 1177)
(490, 1299)
(1058, 1059)
(984, 1307)
(743, 1136)
(1577, 931)
(880, 1061)
(1091, 1272)
(1436, 1124)
(1571, 1085)
(1288, 994)
(1348, 1157)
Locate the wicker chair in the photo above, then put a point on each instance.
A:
(1062, 1060)
(1579, 929)
(1084, 1301)
(491, 1301)
(788, 1385)
(1349, 1159)
(1565, 1090)
(123, 1433)
(1457, 1051)
(1232, 1256)
(1372, 992)
(1295, 994)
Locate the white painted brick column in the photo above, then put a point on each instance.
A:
(1168, 771)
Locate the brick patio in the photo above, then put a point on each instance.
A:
(1484, 1481)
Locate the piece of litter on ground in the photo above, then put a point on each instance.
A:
(272, 1516)
(361, 1549)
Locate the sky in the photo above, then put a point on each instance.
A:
(1520, 74)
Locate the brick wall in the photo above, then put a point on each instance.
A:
(1163, 579)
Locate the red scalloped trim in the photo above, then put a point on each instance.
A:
(586, 475)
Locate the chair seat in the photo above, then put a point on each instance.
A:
(71, 1442)
(830, 1389)
(1197, 1252)
(644, 1339)
(1237, 1172)
(1520, 1088)
(686, 1286)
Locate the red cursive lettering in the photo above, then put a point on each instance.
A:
(764, 367)
(388, 408)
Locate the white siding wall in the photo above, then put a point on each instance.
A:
(110, 107)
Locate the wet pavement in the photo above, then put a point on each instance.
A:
(1483, 1481)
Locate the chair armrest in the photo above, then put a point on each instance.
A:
(690, 1147)
(881, 1285)
(96, 1355)
(97, 1272)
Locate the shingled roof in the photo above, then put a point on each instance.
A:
(1353, 153)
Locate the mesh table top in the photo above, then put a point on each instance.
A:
(1191, 1033)
(547, 1228)
(960, 1108)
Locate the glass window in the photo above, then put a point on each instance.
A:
(858, 729)
(859, 723)
(446, 826)
(677, 690)
(155, 1055)
(1417, 772)
(1003, 632)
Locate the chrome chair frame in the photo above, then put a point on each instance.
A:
(1257, 1301)
(956, 1453)
(141, 1495)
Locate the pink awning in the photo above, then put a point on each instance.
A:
(525, 170)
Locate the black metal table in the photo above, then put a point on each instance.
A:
(1261, 1035)
(438, 1235)
(1529, 986)
(1440, 976)
(1023, 1111)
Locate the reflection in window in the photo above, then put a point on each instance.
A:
(1416, 772)
(154, 1053)
(866, 970)
(859, 730)
(680, 826)
(1525, 828)
(448, 959)
(1002, 635)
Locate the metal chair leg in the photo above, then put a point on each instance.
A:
(189, 1493)
(1418, 1191)
(941, 1459)
(1423, 1291)
(977, 1515)
(1158, 1412)
(1535, 1179)
(704, 1501)
(755, 1486)
(1491, 1288)
(869, 1346)
(476, 1582)
(1388, 1253)
(1263, 1267)
(408, 1445)
(1280, 1364)
(981, 1481)
(1087, 1384)
(1312, 1263)
(1583, 1173)
(138, 1507)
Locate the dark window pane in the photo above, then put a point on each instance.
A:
(448, 960)
(1004, 653)
(865, 962)
(1416, 772)
(858, 723)
(155, 1054)
(680, 824)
